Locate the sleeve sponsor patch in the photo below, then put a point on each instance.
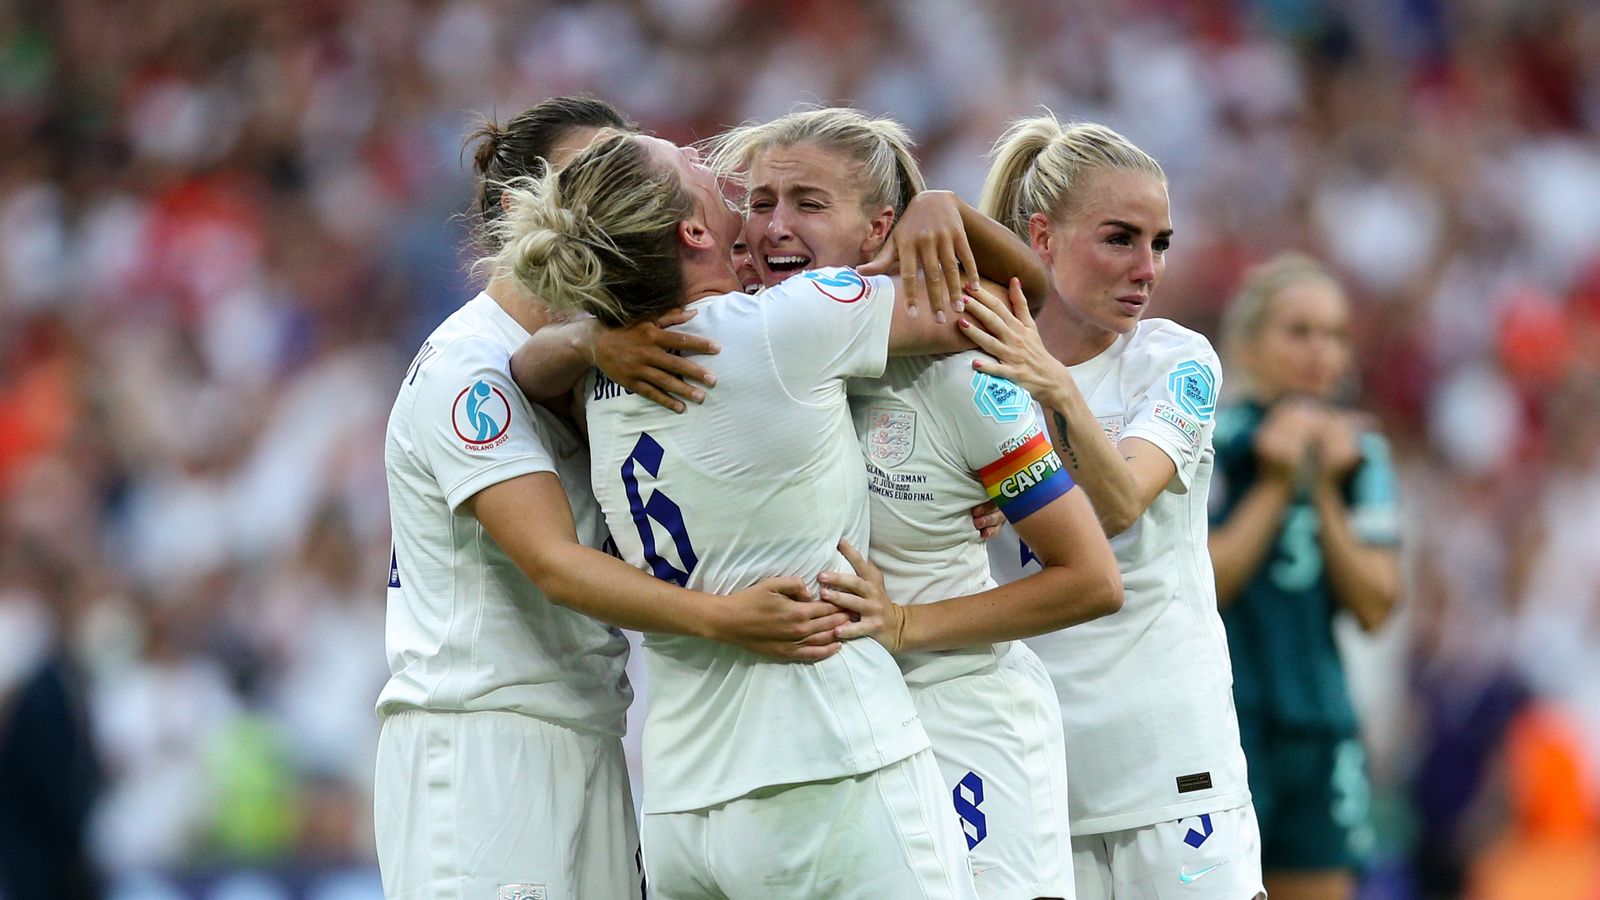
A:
(1194, 388)
(1169, 414)
(1026, 479)
(998, 398)
(481, 415)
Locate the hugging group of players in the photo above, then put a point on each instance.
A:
(789, 413)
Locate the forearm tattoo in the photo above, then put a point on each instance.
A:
(1065, 442)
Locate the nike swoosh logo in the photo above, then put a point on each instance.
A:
(1187, 877)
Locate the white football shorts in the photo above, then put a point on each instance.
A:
(882, 834)
(502, 806)
(997, 737)
(1216, 856)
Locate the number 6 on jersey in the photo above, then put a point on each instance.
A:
(660, 508)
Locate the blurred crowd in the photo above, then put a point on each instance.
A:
(226, 225)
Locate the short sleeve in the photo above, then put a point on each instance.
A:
(1176, 411)
(1374, 500)
(470, 423)
(828, 324)
(997, 429)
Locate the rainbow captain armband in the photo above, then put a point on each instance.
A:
(1027, 478)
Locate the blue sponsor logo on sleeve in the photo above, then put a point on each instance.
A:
(1194, 389)
(998, 398)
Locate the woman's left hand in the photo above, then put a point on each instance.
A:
(1008, 334)
(929, 236)
(863, 594)
(987, 518)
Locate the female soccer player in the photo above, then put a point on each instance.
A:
(763, 779)
(500, 765)
(824, 188)
(1160, 805)
(1303, 524)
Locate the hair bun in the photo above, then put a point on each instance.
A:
(487, 137)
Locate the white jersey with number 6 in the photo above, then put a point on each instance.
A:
(763, 479)
(1147, 692)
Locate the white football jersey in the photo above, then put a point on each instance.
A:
(466, 629)
(1146, 693)
(763, 479)
(939, 439)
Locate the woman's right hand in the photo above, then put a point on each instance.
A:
(650, 360)
(1009, 334)
(929, 238)
(779, 618)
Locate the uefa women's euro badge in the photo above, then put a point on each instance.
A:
(481, 416)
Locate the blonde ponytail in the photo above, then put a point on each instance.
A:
(1014, 155)
(1038, 163)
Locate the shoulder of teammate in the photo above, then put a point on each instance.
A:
(1173, 404)
(1182, 379)
(832, 292)
(996, 430)
(1163, 340)
(831, 322)
(470, 423)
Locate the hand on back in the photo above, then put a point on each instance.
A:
(651, 360)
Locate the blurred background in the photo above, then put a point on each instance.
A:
(226, 225)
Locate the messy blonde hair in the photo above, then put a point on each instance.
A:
(600, 235)
(1250, 308)
(879, 148)
(1039, 162)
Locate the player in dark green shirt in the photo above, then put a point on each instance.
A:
(1303, 524)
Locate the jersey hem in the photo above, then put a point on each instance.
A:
(1215, 803)
(687, 801)
(388, 711)
(1031, 891)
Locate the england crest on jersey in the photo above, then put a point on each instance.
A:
(891, 436)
